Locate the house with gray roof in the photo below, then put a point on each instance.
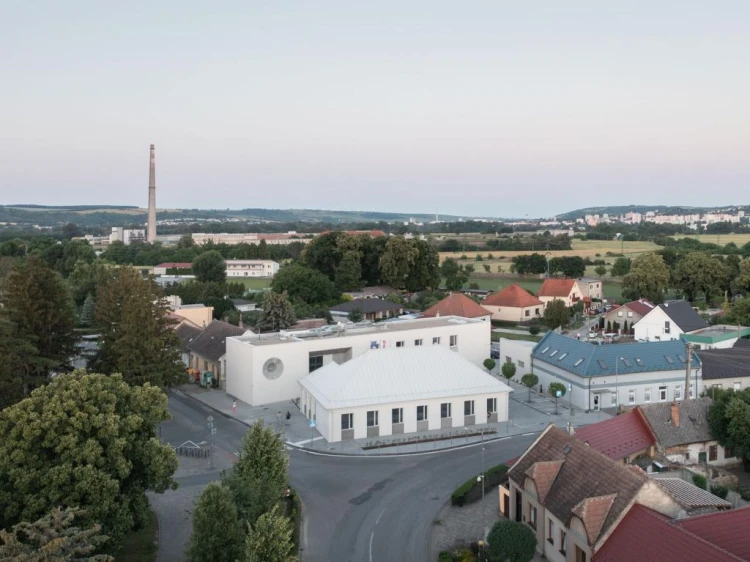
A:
(208, 350)
(669, 321)
(726, 368)
(371, 309)
(616, 375)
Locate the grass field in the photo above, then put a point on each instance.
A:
(252, 283)
(141, 545)
(611, 290)
(583, 248)
(720, 239)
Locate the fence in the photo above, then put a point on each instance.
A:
(190, 449)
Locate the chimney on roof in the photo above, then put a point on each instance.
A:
(676, 414)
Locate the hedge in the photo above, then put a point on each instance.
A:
(471, 490)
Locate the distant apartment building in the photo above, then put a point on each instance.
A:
(127, 235)
(234, 238)
(251, 268)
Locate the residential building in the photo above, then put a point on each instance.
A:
(573, 497)
(370, 233)
(610, 376)
(172, 267)
(591, 288)
(566, 290)
(693, 500)
(376, 292)
(517, 352)
(630, 313)
(208, 350)
(726, 368)
(457, 304)
(683, 435)
(371, 309)
(127, 235)
(401, 391)
(198, 314)
(265, 368)
(622, 438)
(187, 332)
(513, 304)
(251, 268)
(669, 321)
(234, 238)
(719, 336)
(243, 305)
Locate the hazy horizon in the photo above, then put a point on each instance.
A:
(485, 109)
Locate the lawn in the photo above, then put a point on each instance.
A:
(720, 239)
(141, 545)
(611, 289)
(583, 248)
(495, 336)
(257, 283)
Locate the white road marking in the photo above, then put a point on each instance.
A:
(525, 434)
(372, 536)
(379, 516)
(300, 443)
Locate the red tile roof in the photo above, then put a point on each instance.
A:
(645, 535)
(640, 307)
(175, 265)
(593, 512)
(727, 529)
(618, 437)
(513, 296)
(556, 287)
(456, 304)
(543, 474)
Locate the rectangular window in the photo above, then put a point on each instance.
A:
(417, 343)
(508, 359)
(316, 363)
(468, 407)
(728, 453)
(647, 394)
(421, 413)
(713, 453)
(436, 340)
(532, 516)
(631, 396)
(691, 392)
(397, 415)
(662, 394)
(520, 363)
(527, 313)
(678, 392)
(550, 532)
(563, 541)
(614, 398)
(580, 555)
(667, 326)
(399, 344)
(347, 421)
(454, 341)
(491, 405)
(373, 418)
(445, 410)
(737, 386)
(630, 314)
(619, 313)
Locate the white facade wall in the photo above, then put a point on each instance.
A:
(514, 314)
(653, 327)
(592, 289)
(329, 421)
(517, 352)
(584, 389)
(575, 293)
(694, 451)
(251, 268)
(245, 361)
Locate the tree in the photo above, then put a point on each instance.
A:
(489, 364)
(534, 330)
(508, 370)
(356, 315)
(625, 328)
(278, 312)
(424, 272)
(263, 456)
(137, 335)
(71, 230)
(455, 274)
(609, 326)
(487, 268)
(620, 267)
(569, 266)
(648, 278)
(217, 533)
(53, 538)
(529, 380)
(88, 312)
(86, 440)
(556, 314)
(554, 389)
(253, 496)
(210, 267)
(600, 270)
(15, 354)
(322, 253)
(511, 541)
(270, 539)
(739, 312)
(349, 272)
(741, 283)
(305, 284)
(36, 303)
(186, 241)
(698, 271)
(397, 261)
(529, 264)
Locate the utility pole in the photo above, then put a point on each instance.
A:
(687, 372)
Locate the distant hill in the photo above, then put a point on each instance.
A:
(660, 209)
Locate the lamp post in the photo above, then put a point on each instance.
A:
(547, 255)
(482, 473)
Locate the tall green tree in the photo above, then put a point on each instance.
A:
(455, 274)
(85, 440)
(648, 278)
(700, 272)
(263, 456)
(556, 314)
(424, 272)
(278, 312)
(304, 283)
(397, 261)
(15, 354)
(88, 312)
(137, 335)
(741, 283)
(739, 312)
(217, 535)
(620, 267)
(322, 253)
(270, 539)
(38, 306)
(210, 267)
(554, 389)
(349, 272)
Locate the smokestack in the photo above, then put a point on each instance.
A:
(151, 227)
(676, 414)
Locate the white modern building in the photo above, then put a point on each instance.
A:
(397, 391)
(669, 321)
(251, 268)
(266, 368)
(234, 238)
(127, 235)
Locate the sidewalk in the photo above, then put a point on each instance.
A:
(523, 419)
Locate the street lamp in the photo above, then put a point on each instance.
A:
(482, 474)
(548, 255)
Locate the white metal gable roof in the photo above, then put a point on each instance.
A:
(383, 376)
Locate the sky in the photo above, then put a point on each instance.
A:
(476, 108)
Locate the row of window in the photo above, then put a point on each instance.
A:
(553, 533)
(397, 414)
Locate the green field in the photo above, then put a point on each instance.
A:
(611, 290)
(260, 283)
(720, 239)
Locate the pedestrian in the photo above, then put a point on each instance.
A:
(288, 417)
(234, 406)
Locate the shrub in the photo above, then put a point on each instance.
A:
(534, 330)
(471, 490)
(511, 540)
(445, 556)
(745, 494)
(700, 481)
(720, 490)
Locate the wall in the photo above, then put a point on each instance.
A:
(693, 451)
(519, 353)
(621, 315)
(201, 317)
(513, 314)
(245, 361)
(651, 327)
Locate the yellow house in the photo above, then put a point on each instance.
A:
(513, 304)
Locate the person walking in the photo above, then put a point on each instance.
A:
(288, 417)
(234, 406)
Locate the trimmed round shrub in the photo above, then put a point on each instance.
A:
(511, 540)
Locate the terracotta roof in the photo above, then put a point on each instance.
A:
(556, 287)
(641, 306)
(212, 342)
(175, 265)
(727, 529)
(645, 535)
(543, 474)
(456, 304)
(585, 474)
(593, 512)
(513, 296)
(618, 437)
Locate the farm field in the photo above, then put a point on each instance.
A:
(720, 239)
(611, 290)
(583, 248)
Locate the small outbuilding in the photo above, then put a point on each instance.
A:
(399, 391)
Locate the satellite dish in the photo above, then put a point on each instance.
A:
(273, 368)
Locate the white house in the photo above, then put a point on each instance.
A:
(251, 268)
(517, 352)
(609, 376)
(513, 304)
(669, 321)
(566, 290)
(396, 391)
(266, 368)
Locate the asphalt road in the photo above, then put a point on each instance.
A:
(369, 509)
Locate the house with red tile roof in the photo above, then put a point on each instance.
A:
(726, 529)
(457, 304)
(630, 312)
(566, 290)
(513, 304)
(622, 438)
(162, 268)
